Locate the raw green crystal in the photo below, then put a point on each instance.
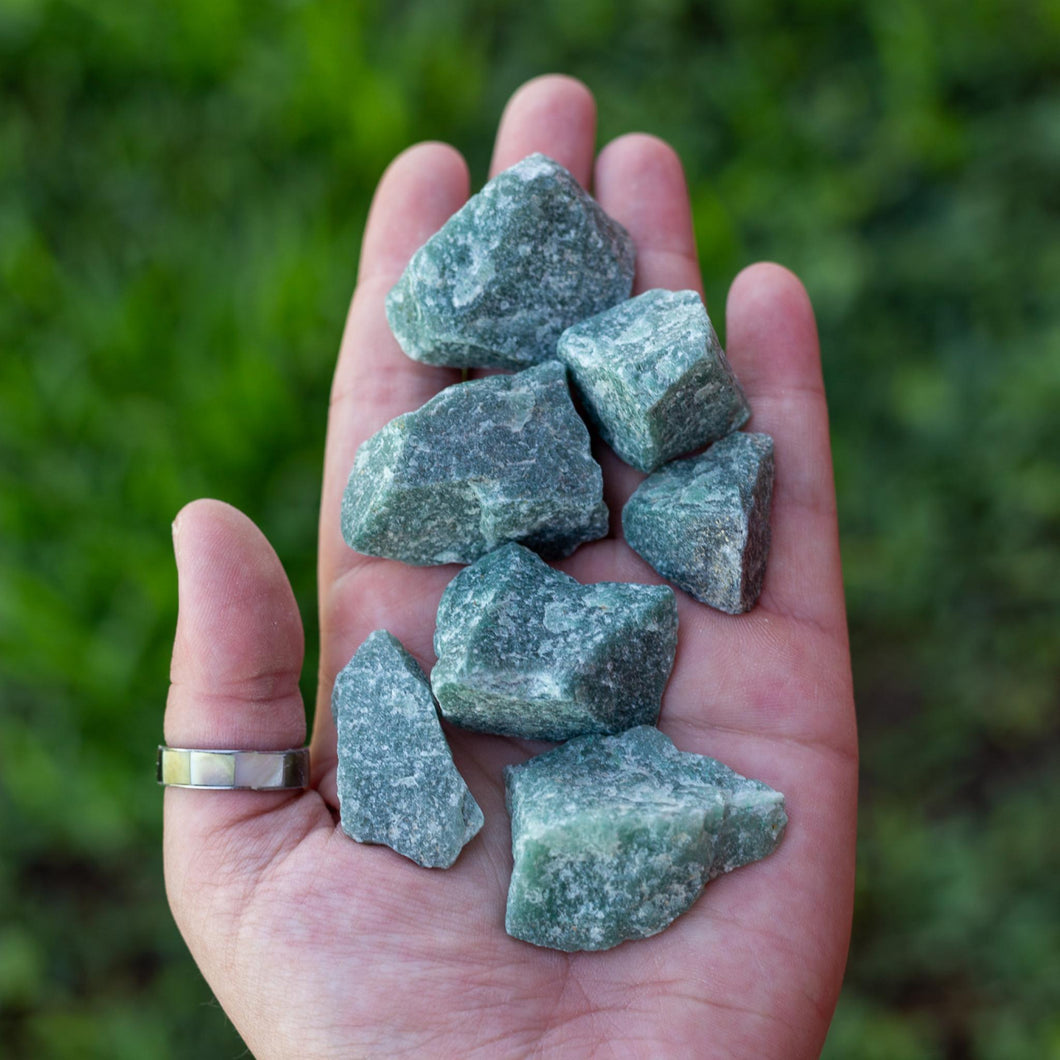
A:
(525, 650)
(754, 818)
(614, 837)
(529, 255)
(485, 462)
(703, 522)
(653, 377)
(396, 780)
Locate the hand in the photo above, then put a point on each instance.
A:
(318, 946)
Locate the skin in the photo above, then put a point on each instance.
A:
(317, 946)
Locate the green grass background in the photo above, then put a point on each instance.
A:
(182, 191)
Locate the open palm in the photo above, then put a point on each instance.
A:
(317, 946)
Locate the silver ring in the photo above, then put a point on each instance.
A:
(181, 767)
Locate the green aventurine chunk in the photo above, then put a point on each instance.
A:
(526, 257)
(614, 837)
(525, 650)
(653, 377)
(483, 463)
(703, 522)
(396, 780)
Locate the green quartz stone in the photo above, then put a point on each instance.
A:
(529, 255)
(396, 779)
(703, 522)
(483, 463)
(525, 650)
(754, 818)
(653, 377)
(614, 837)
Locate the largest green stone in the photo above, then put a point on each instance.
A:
(614, 837)
(529, 255)
(483, 463)
(525, 650)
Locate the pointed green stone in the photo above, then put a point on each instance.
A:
(653, 377)
(703, 522)
(525, 650)
(483, 463)
(614, 837)
(529, 255)
(754, 818)
(396, 780)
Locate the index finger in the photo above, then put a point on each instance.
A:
(374, 379)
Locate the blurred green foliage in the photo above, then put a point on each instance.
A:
(182, 189)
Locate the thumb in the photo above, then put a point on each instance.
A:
(239, 644)
(234, 686)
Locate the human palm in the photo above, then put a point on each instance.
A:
(317, 946)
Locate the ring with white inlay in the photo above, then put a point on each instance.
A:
(181, 767)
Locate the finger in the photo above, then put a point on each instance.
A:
(773, 347)
(555, 115)
(234, 685)
(640, 182)
(782, 670)
(238, 651)
(374, 380)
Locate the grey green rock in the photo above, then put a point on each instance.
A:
(397, 783)
(754, 818)
(703, 522)
(614, 837)
(525, 650)
(483, 463)
(529, 255)
(653, 377)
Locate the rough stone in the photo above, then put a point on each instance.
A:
(653, 377)
(525, 650)
(614, 837)
(396, 779)
(703, 522)
(754, 818)
(529, 255)
(483, 463)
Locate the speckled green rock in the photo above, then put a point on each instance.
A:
(754, 818)
(653, 377)
(529, 255)
(483, 463)
(703, 522)
(396, 780)
(525, 650)
(614, 837)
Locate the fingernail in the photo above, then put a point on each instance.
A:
(175, 528)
